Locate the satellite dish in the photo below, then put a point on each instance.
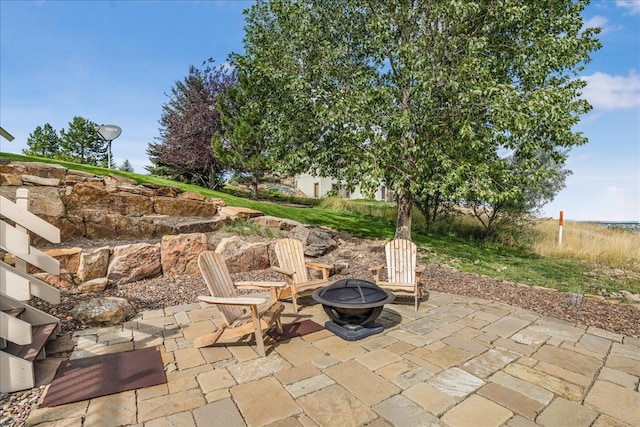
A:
(109, 132)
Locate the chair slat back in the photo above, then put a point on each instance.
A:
(218, 280)
(401, 261)
(290, 254)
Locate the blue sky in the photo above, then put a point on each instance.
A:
(112, 62)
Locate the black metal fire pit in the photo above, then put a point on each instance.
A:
(353, 306)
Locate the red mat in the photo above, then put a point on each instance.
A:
(89, 377)
(297, 329)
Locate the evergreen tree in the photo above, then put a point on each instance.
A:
(43, 142)
(81, 143)
(241, 146)
(126, 166)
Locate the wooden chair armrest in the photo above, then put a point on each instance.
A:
(318, 265)
(377, 269)
(233, 301)
(324, 268)
(288, 273)
(273, 287)
(259, 285)
(375, 272)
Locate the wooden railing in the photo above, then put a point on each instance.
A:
(24, 330)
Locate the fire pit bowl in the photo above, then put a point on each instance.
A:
(353, 305)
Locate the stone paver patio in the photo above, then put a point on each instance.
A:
(457, 362)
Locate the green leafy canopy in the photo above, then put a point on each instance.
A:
(419, 95)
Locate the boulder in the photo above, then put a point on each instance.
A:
(108, 311)
(243, 256)
(135, 189)
(184, 225)
(317, 242)
(107, 199)
(46, 202)
(75, 176)
(69, 259)
(131, 263)
(115, 179)
(94, 264)
(179, 254)
(11, 174)
(275, 223)
(45, 170)
(101, 224)
(71, 228)
(175, 206)
(237, 212)
(10, 180)
(93, 286)
(191, 195)
(163, 190)
(61, 281)
(38, 180)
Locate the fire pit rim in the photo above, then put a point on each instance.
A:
(318, 295)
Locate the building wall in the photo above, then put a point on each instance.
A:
(318, 187)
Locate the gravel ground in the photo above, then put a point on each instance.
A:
(356, 256)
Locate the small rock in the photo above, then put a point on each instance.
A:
(632, 298)
(107, 311)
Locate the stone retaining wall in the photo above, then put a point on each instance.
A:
(83, 205)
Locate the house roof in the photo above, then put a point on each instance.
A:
(6, 135)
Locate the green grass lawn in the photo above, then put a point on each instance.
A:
(463, 254)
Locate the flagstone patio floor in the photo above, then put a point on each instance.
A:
(458, 361)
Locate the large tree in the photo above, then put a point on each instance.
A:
(240, 146)
(188, 122)
(420, 95)
(43, 142)
(81, 143)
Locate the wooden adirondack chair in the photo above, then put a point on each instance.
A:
(292, 264)
(403, 273)
(242, 315)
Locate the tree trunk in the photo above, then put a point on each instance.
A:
(403, 221)
(211, 178)
(405, 196)
(254, 187)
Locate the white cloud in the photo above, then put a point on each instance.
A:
(608, 92)
(596, 21)
(632, 5)
(602, 22)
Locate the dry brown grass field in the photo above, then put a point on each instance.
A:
(594, 243)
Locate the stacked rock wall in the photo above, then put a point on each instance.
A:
(83, 205)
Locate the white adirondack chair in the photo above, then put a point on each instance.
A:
(403, 272)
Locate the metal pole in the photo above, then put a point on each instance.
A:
(109, 154)
(560, 229)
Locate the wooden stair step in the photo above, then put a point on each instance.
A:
(15, 312)
(29, 352)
